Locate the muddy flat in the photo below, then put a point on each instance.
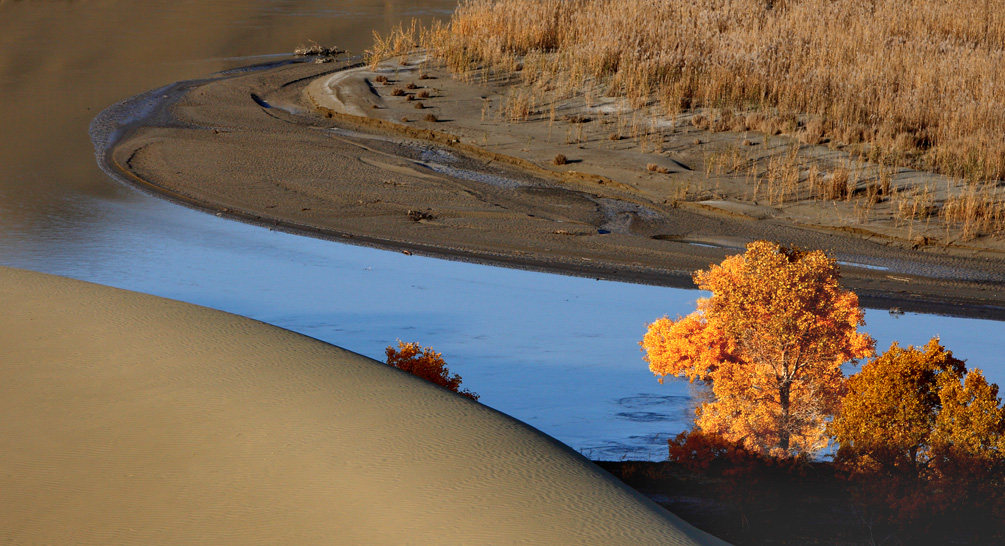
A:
(346, 153)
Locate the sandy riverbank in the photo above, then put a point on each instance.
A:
(131, 419)
(290, 147)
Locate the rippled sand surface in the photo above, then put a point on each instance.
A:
(131, 419)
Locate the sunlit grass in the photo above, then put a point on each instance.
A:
(916, 84)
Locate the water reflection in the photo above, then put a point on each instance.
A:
(560, 353)
(63, 62)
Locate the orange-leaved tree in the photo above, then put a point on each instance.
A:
(910, 407)
(925, 440)
(427, 364)
(769, 343)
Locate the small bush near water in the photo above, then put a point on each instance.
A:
(426, 364)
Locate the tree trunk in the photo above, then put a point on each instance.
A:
(783, 397)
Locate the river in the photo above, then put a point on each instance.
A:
(557, 352)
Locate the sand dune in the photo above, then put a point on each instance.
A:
(131, 419)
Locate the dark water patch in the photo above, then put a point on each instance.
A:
(644, 416)
(647, 400)
(260, 101)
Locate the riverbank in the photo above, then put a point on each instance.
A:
(129, 418)
(254, 146)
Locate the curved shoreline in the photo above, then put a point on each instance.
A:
(206, 427)
(182, 131)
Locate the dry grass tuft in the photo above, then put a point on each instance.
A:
(977, 211)
(431, 118)
(835, 186)
(560, 159)
(397, 92)
(812, 133)
(654, 168)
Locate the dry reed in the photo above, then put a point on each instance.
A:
(926, 79)
(919, 85)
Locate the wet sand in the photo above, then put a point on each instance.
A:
(284, 147)
(132, 419)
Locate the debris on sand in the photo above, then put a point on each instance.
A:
(316, 50)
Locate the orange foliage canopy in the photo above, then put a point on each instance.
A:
(925, 440)
(770, 343)
(427, 364)
(911, 407)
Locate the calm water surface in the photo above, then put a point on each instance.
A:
(560, 353)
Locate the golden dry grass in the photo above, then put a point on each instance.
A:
(919, 84)
(926, 79)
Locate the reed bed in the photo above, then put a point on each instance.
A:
(917, 84)
(925, 78)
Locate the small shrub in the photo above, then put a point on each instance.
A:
(560, 159)
(397, 92)
(411, 85)
(427, 364)
(700, 121)
(423, 94)
(380, 79)
(431, 118)
(654, 168)
(419, 106)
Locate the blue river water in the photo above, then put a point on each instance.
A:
(560, 353)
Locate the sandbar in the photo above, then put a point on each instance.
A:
(325, 150)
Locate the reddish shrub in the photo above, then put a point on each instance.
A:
(427, 364)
